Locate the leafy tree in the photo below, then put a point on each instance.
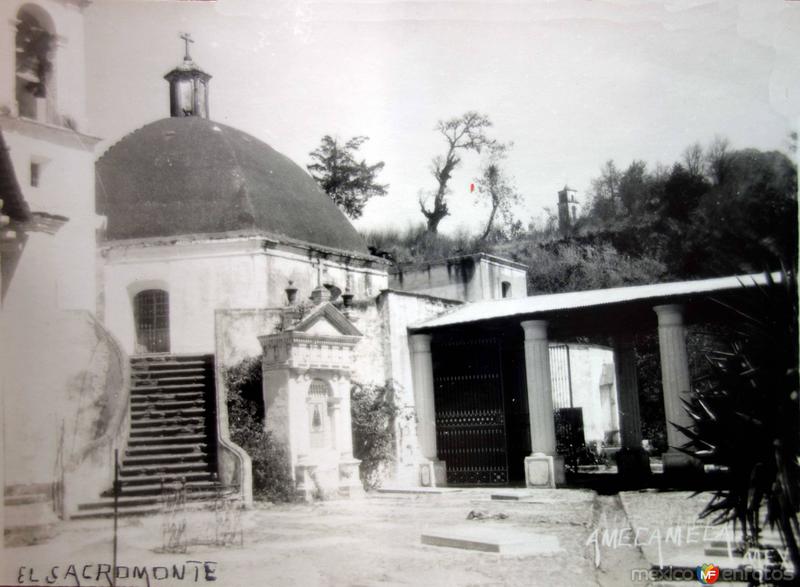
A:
(349, 183)
(373, 417)
(748, 219)
(730, 214)
(462, 134)
(605, 192)
(272, 478)
(495, 186)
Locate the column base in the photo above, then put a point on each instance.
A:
(542, 470)
(680, 467)
(633, 464)
(433, 474)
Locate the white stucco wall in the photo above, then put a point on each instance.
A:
(470, 278)
(599, 405)
(401, 310)
(203, 276)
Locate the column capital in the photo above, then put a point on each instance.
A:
(420, 343)
(534, 329)
(669, 314)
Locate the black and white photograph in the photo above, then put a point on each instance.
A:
(399, 292)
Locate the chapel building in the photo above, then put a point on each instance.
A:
(132, 281)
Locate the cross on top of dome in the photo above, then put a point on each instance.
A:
(187, 38)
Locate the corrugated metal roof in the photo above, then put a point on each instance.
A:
(541, 304)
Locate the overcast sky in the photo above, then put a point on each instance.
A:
(571, 82)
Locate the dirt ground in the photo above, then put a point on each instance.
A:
(370, 541)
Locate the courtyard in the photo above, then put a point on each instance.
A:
(577, 538)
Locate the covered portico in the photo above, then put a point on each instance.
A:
(485, 367)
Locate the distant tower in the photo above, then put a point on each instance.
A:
(188, 87)
(568, 207)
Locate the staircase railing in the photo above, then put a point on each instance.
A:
(234, 465)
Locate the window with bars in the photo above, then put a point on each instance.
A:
(151, 313)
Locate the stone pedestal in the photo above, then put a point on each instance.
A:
(314, 480)
(676, 383)
(349, 478)
(432, 474)
(540, 407)
(544, 471)
(632, 461)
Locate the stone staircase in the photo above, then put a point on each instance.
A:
(172, 436)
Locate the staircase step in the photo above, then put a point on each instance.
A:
(177, 450)
(155, 421)
(148, 386)
(169, 364)
(143, 372)
(161, 411)
(161, 440)
(167, 433)
(138, 469)
(170, 458)
(157, 394)
(155, 488)
(162, 381)
(168, 478)
(141, 510)
(169, 399)
(128, 501)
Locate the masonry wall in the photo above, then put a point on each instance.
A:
(465, 278)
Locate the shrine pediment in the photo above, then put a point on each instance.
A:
(326, 320)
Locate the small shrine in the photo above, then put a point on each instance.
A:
(307, 377)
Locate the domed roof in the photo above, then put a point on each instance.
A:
(190, 175)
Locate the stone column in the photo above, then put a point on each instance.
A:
(431, 469)
(544, 468)
(334, 413)
(675, 382)
(632, 460)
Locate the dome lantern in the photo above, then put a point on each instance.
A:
(188, 87)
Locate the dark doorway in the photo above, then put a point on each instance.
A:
(151, 314)
(482, 426)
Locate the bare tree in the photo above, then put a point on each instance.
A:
(464, 133)
(694, 159)
(718, 159)
(496, 186)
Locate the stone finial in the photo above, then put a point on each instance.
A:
(347, 299)
(320, 294)
(291, 294)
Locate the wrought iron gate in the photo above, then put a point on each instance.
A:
(470, 412)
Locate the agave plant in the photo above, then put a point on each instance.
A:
(745, 416)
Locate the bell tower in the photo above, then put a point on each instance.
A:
(188, 87)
